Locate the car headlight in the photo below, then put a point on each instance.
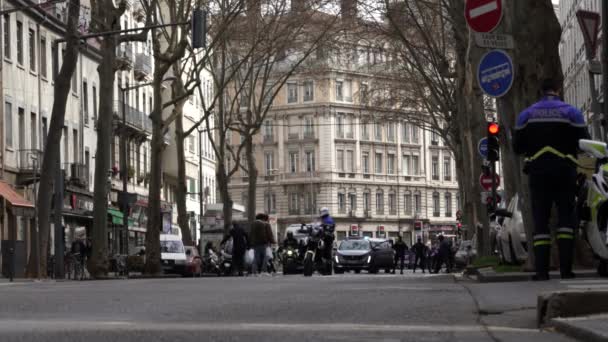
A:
(369, 259)
(337, 260)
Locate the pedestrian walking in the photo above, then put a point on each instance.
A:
(547, 134)
(239, 247)
(400, 248)
(443, 255)
(261, 237)
(420, 255)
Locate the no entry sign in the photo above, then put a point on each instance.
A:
(486, 181)
(483, 15)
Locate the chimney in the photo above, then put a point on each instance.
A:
(348, 9)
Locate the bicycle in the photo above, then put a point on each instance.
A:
(74, 266)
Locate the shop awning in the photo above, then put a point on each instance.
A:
(19, 205)
(117, 216)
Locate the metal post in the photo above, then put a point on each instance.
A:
(35, 223)
(605, 61)
(201, 195)
(59, 240)
(124, 167)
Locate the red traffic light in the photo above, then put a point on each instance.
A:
(493, 128)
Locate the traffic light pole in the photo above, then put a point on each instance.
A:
(493, 175)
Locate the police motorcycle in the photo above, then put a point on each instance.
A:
(290, 259)
(592, 203)
(319, 245)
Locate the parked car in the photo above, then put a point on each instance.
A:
(172, 254)
(356, 254)
(193, 262)
(465, 254)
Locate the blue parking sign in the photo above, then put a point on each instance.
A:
(495, 73)
(482, 148)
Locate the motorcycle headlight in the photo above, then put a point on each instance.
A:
(289, 253)
(337, 260)
(369, 259)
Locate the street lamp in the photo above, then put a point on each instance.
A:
(123, 154)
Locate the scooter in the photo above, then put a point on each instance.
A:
(593, 203)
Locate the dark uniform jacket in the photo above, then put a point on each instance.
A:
(547, 134)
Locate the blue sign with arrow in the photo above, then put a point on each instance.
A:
(482, 147)
(495, 73)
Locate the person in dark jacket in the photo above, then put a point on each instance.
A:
(547, 134)
(400, 248)
(420, 251)
(260, 238)
(443, 255)
(239, 247)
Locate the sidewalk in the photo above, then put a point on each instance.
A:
(515, 304)
(588, 329)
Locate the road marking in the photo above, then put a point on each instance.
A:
(595, 284)
(590, 286)
(76, 325)
(483, 9)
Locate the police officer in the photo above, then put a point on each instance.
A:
(547, 134)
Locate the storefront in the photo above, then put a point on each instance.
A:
(77, 215)
(16, 216)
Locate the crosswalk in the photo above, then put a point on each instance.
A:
(586, 284)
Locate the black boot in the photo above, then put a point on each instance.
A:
(566, 257)
(541, 263)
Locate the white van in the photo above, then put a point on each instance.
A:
(172, 254)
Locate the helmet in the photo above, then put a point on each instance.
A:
(324, 211)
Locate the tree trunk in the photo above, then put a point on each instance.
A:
(154, 227)
(98, 264)
(181, 192)
(537, 32)
(53, 141)
(468, 128)
(253, 179)
(222, 186)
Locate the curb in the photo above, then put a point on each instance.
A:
(563, 304)
(488, 275)
(576, 332)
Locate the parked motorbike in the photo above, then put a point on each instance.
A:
(211, 264)
(593, 203)
(225, 263)
(318, 251)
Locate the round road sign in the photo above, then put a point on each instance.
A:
(486, 181)
(483, 15)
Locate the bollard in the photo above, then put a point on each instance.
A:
(11, 268)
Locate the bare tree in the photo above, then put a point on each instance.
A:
(51, 155)
(427, 83)
(105, 18)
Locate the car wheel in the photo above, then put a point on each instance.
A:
(387, 271)
(338, 271)
(357, 271)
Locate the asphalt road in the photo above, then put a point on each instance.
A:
(290, 308)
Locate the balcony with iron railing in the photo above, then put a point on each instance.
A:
(143, 67)
(29, 163)
(134, 117)
(79, 174)
(124, 56)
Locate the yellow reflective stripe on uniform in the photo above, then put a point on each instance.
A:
(549, 149)
(565, 236)
(542, 243)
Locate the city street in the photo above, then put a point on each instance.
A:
(335, 308)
